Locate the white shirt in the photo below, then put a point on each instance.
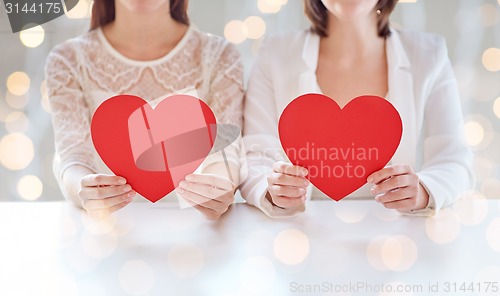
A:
(422, 87)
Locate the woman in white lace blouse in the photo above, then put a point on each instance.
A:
(148, 49)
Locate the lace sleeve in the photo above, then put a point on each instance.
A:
(225, 97)
(70, 113)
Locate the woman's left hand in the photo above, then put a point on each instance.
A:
(398, 187)
(208, 193)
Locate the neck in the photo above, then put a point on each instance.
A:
(157, 29)
(356, 36)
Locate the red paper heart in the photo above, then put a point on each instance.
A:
(340, 147)
(153, 149)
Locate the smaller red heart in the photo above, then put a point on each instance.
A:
(340, 147)
(154, 149)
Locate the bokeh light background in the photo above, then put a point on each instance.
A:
(471, 28)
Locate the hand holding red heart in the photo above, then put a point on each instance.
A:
(102, 194)
(398, 187)
(287, 185)
(208, 193)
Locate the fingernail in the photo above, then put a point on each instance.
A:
(127, 188)
(303, 198)
(306, 182)
(372, 190)
(302, 190)
(370, 179)
(131, 194)
(129, 200)
(189, 177)
(122, 181)
(304, 172)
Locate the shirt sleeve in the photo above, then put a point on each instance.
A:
(260, 135)
(446, 172)
(69, 112)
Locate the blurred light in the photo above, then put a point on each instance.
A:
(104, 225)
(16, 151)
(136, 277)
(291, 246)
(491, 59)
(257, 274)
(32, 37)
(81, 10)
(16, 102)
(374, 252)
(45, 97)
(269, 6)
(99, 246)
(396, 253)
(18, 83)
(350, 213)
(256, 27)
(443, 228)
(472, 209)
(236, 32)
(488, 14)
(496, 106)
(474, 133)
(479, 131)
(29, 187)
(491, 188)
(185, 260)
(16, 122)
(399, 252)
(492, 234)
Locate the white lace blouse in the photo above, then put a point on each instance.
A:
(83, 72)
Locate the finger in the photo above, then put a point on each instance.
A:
(209, 213)
(395, 195)
(278, 190)
(106, 203)
(288, 202)
(104, 192)
(202, 200)
(287, 180)
(407, 204)
(106, 212)
(388, 172)
(392, 183)
(212, 180)
(101, 179)
(202, 189)
(286, 168)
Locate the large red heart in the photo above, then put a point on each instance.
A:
(340, 147)
(153, 149)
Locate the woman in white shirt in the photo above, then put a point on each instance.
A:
(349, 51)
(147, 49)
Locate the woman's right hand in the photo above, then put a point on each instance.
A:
(287, 186)
(102, 194)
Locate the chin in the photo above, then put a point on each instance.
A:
(350, 9)
(144, 6)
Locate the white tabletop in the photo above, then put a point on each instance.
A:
(157, 249)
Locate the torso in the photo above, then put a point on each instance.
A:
(344, 81)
